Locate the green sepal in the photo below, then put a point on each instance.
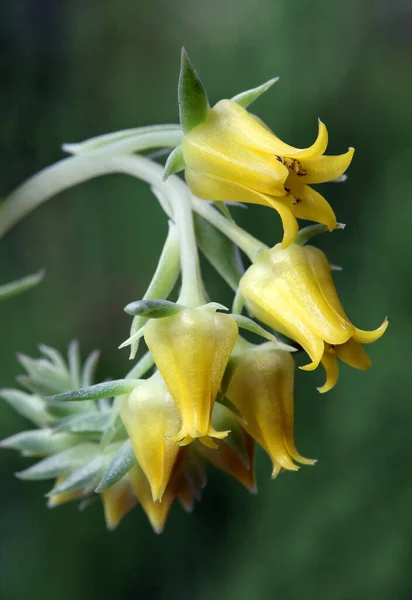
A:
(192, 96)
(20, 285)
(250, 325)
(87, 422)
(307, 233)
(224, 209)
(60, 464)
(153, 309)
(82, 479)
(40, 442)
(219, 251)
(174, 164)
(246, 98)
(121, 463)
(107, 389)
(31, 407)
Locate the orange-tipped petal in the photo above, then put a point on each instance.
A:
(118, 500)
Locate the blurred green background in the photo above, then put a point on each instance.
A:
(72, 69)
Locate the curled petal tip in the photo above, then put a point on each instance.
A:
(367, 337)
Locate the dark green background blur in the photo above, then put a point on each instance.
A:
(71, 69)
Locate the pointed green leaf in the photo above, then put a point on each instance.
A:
(107, 389)
(85, 476)
(40, 442)
(246, 98)
(219, 251)
(307, 233)
(153, 309)
(61, 463)
(30, 406)
(250, 325)
(21, 285)
(175, 163)
(89, 368)
(193, 102)
(92, 421)
(74, 363)
(55, 358)
(122, 462)
(60, 410)
(128, 140)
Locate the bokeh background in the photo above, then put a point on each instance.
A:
(72, 69)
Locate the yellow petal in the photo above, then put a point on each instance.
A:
(191, 350)
(246, 130)
(367, 337)
(330, 363)
(118, 501)
(326, 168)
(209, 149)
(156, 512)
(306, 203)
(151, 418)
(354, 355)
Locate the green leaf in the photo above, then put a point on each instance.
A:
(245, 99)
(21, 285)
(161, 285)
(307, 233)
(107, 389)
(128, 140)
(55, 358)
(82, 479)
(250, 325)
(175, 163)
(61, 463)
(92, 421)
(122, 462)
(74, 363)
(30, 406)
(60, 410)
(219, 251)
(40, 442)
(89, 368)
(153, 309)
(192, 97)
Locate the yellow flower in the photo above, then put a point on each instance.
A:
(191, 350)
(292, 290)
(233, 156)
(151, 418)
(118, 500)
(261, 387)
(235, 454)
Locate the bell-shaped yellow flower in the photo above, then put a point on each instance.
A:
(233, 156)
(261, 387)
(118, 500)
(292, 290)
(191, 350)
(151, 418)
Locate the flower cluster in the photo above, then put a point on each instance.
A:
(205, 392)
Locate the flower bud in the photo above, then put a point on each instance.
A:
(151, 419)
(231, 155)
(261, 387)
(118, 500)
(191, 350)
(292, 290)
